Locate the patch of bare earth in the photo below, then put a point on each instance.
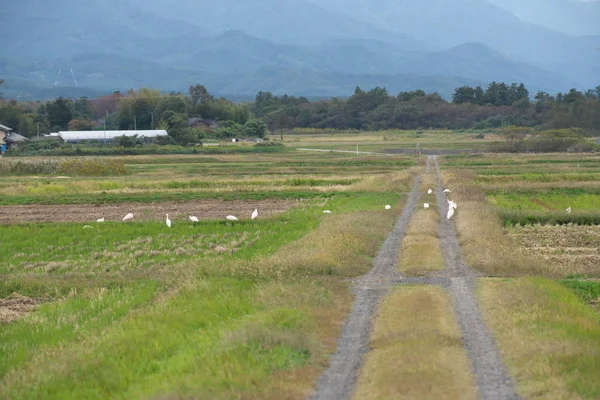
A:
(16, 306)
(203, 209)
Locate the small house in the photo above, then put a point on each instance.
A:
(9, 139)
(4, 131)
(13, 140)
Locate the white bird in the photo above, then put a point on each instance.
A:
(100, 219)
(326, 212)
(128, 217)
(429, 191)
(452, 204)
(426, 206)
(450, 212)
(387, 207)
(254, 214)
(568, 210)
(231, 218)
(168, 221)
(447, 191)
(193, 218)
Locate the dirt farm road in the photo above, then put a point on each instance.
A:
(491, 376)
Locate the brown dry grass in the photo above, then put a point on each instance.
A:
(483, 242)
(398, 181)
(341, 246)
(420, 254)
(417, 350)
(548, 337)
(566, 249)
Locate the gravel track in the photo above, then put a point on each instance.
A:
(492, 379)
(337, 382)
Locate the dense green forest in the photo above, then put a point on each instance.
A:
(499, 105)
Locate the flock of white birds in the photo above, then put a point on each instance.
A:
(452, 207)
(169, 223)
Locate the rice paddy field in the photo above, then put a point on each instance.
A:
(252, 309)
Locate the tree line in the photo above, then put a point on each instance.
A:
(140, 110)
(498, 105)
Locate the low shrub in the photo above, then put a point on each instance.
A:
(79, 150)
(79, 167)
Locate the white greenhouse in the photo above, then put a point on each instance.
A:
(107, 136)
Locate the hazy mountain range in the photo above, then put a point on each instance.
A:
(304, 47)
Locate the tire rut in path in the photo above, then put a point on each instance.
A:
(337, 382)
(491, 376)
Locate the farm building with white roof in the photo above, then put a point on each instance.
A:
(106, 136)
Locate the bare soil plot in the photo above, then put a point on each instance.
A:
(567, 249)
(16, 306)
(203, 209)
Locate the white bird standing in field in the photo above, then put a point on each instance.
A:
(568, 210)
(429, 191)
(326, 212)
(387, 207)
(426, 206)
(100, 219)
(231, 218)
(193, 218)
(447, 191)
(127, 217)
(452, 204)
(254, 214)
(168, 221)
(450, 212)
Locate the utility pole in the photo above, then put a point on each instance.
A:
(105, 126)
(134, 123)
(357, 150)
(38, 130)
(152, 117)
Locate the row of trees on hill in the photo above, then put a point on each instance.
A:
(496, 106)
